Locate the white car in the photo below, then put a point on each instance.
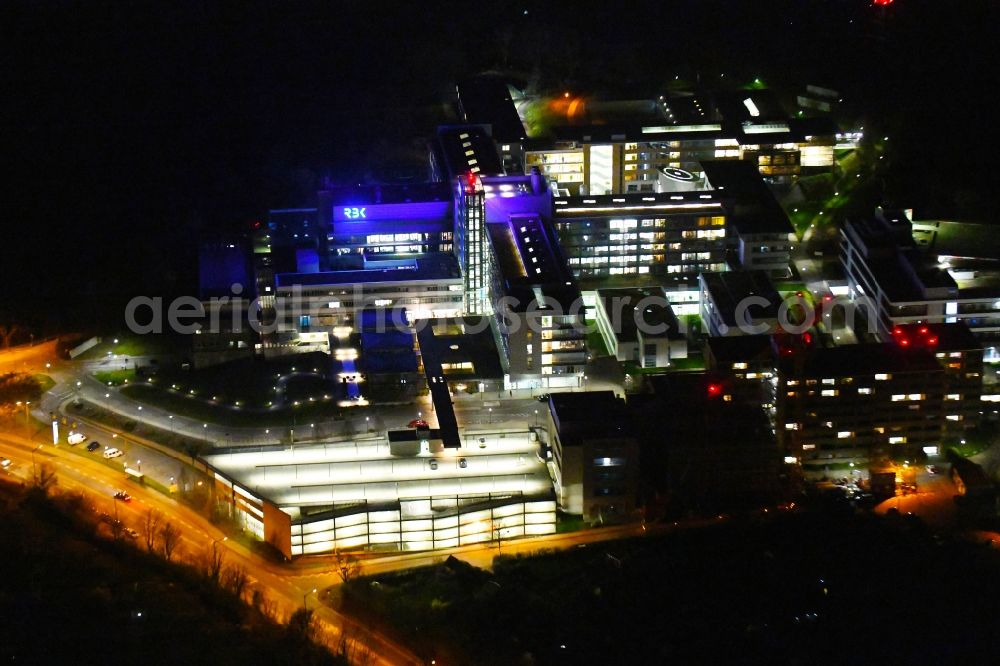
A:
(75, 438)
(113, 453)
(5, 463)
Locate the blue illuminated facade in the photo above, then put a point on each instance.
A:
(366, 221)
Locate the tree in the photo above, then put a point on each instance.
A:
(347, 565)
(497, 528)
(236, 579)
(267, 606)
(46, 478)
(170, 536)
(8, 332)
(301, 624)
(17, 387)
(151, 528)
(356, 647)
(214, 562)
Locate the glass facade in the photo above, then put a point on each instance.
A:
(643, 243)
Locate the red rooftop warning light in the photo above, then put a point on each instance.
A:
(913, 335)
(714, 390)
(472, 182)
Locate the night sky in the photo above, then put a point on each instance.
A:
(130, 129)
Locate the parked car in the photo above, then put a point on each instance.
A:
(93, 446)
(5, 463)
(131, 533)
(933, 469)
(418, 423)
(113, 453)
(433, 464)
(543, 397)
(123, 496)
(463, 463)
(75, 438)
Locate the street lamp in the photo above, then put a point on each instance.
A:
(170, 417)
(491, 414)
(26, 405)
(305, 597)
(536, 418)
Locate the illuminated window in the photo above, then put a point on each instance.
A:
(808, 447)
(953, 396)
(829, 393)
(739, 366)
(864, 390)
(791, 426)
(882, 377)
(897, 440)
(829, 380)
(844, 434)
(954, 417)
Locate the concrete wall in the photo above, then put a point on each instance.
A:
(278, 529)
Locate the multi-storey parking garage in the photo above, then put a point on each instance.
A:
(389, 493)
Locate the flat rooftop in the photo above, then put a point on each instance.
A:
(345, 473)
(437, 384)
(531, 264)
(363, 194)
(468, 340)
(753, 208)
(428, 267)
(589, 415)
(487, 100)
(942, 238)
(857, 360)
(727, 350)
(728, 289)
(468, 148)
(637, 204)
(938, 337)
(656, 313)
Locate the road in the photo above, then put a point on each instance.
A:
(28, 358)
(933, 502)
(285, 585)
(288, 584)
